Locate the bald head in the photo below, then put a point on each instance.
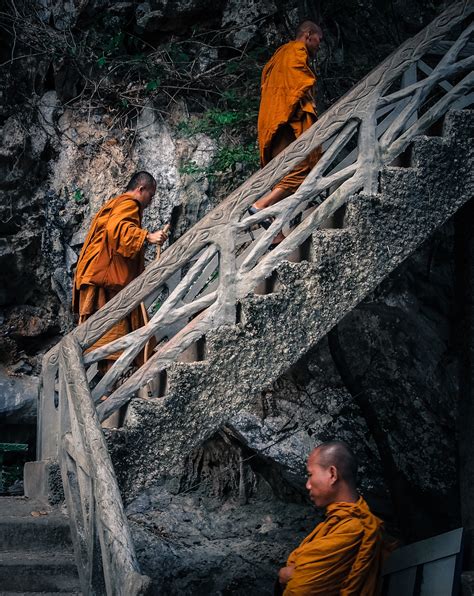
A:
(338, 454)
(311, 35)
(142, 187)
(141, 179)
(308, 27)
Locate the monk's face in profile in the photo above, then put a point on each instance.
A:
(146, 194)
(312, 42)
(321, 481)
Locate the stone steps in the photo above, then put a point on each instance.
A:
(36, 553)
(40, 593)
(309, 298)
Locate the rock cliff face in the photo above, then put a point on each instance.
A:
(94, 90)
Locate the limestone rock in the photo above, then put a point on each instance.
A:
(18, 398)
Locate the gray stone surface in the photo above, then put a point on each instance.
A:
(18, 397)
(467, 583)
(162, 153)
(309, 298)
(35, 548)
(212, 532)
(214, 548)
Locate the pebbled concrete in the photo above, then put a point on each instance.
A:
(275, 330)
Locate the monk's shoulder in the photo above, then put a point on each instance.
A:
(346, 523)
(127, 205)
(293, 48)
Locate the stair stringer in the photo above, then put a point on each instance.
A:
(276, 330)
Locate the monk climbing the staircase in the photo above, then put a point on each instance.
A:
(113, 255)
(287, 109)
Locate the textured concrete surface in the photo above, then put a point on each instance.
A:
(275, 330)
(35, 548)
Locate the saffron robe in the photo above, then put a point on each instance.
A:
(111, 257)
(287, 108)
(341, 557)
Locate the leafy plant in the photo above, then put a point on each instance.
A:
(192, 169)
(153, 85)
(78, 195)
(228, 157)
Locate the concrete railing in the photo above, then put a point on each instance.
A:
(101, 536)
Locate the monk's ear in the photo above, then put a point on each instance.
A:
(333, 474)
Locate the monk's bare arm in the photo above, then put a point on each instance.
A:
(285, 574)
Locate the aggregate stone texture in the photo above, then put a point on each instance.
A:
(277, 329)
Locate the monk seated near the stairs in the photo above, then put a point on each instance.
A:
(112, 256)
(343, 554)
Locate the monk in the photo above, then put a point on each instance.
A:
(342, 556)
(113, 255)
(287, 109)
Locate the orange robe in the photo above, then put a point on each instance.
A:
(287, 108)
(112, 256)
(341, 557)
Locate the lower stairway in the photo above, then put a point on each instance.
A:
(36, 554)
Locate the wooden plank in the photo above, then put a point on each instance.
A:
(409, 78)
(424, 551)
(464, 102)
(428, 70)
(400, 583)
(438, 577)
(393, 111)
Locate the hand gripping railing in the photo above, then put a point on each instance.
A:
(197, 283)
(102, 542)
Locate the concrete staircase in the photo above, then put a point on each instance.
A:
(432, 181)
(36, 555)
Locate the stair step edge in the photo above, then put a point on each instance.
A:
(23, 593)
(19, 557)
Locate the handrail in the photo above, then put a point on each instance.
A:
(101, 536)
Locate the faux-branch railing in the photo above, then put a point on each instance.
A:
(103, 545)
(385, 120)
(219, 261)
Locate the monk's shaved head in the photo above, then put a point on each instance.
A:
(141, 179)
(338, 454)
(309, 27)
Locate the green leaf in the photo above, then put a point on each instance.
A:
(152, 85)
(78, 195)
(101, 61)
